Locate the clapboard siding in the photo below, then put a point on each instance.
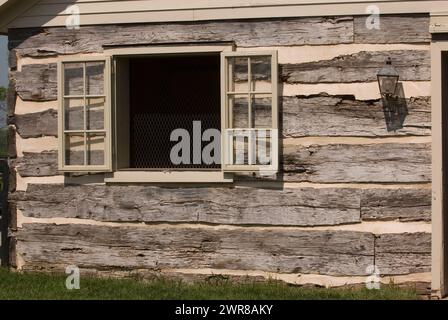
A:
(110, 11)
(219, 205)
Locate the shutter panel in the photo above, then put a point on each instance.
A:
(84, 117)
(250, 112)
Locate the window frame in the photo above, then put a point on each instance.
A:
(140, 176)
(225, 118)
(107, 131)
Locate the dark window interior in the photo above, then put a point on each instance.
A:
(167, 93)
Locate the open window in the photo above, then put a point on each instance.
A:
(84, 115)
(250, 112)
(194, 113)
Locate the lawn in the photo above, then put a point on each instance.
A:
(51, 287)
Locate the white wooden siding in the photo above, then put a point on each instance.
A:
(53, 12)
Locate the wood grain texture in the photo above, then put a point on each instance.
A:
(412, 65)
(38, 42)
(375, 163)
(284, 251)
(221, 205)
(37, 164)
(403, 253)
(302, 116)
(38, 124)
(325, 115)
(402, 204)
(37, 82)
(369, 163)
(394, 29)
(215, 205)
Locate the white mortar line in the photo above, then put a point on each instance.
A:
(380, 227)
(308, 141)
(35, 144)
(303, 279)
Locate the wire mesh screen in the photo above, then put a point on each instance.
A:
(169, 93)
(151, 139)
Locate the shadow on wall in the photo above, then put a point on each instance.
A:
(395, 110)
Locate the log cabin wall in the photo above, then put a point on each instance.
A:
(351, 193)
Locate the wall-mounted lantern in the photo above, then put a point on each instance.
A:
(388, 80)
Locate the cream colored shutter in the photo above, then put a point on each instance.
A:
(84, 117)
(250, 112)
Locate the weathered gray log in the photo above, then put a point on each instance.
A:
(46, 163)
(250, 33)
(412, 65)
(38, 124)
(37, 82)
(324, 115)
(318, 115)
(11, 96)
(12, 146)
(403, 253)
(272, 206)
(401, 204)
(393, 29)
(37, 164)
(284, 251)
(300, 207)
(376, 163)
(12, 60)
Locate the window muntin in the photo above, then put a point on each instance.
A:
(84, 117)
(250, 108)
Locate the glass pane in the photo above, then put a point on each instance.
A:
(261, 80)
(264, 147)
(74, 149)
(240, 147)
(95, 149)
(95, 113)
(74, 114)
(239, 110)
(238, 74)
(262, 112)
(95, 78)
(73, 79)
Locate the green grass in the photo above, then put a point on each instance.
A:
(52, 287)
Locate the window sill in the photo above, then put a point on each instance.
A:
(169, 177)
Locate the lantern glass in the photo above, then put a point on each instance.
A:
(388, 84)
(388, 79)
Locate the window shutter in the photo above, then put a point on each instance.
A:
(250, 112)
(84, 117)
